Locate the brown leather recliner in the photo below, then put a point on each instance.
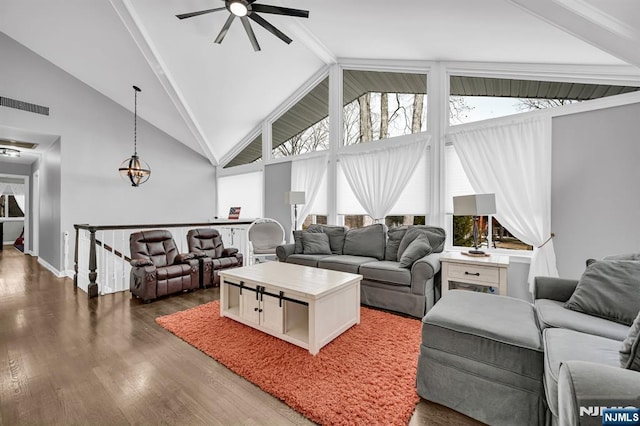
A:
(157, 269)
(209, 242)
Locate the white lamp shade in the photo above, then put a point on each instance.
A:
(294, 197)
(474, 205)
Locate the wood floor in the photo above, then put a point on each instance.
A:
(66, 359)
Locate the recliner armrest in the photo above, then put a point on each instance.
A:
(584, 387)
(198, 254)
(229, 252)
(184, 258)
(559, 289)
(137, 263)
(285, 251)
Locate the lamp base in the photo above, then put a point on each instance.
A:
(475, 253)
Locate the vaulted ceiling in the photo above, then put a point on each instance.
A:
(210, 96)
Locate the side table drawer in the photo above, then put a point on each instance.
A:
(473, 273)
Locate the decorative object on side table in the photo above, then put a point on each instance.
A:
(475, 205)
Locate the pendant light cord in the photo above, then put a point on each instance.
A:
(135, 120)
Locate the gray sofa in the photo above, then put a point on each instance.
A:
(557, 361)
(400, 266)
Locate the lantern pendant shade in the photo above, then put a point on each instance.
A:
(133, 169)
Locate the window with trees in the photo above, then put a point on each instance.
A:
(479, 98)
(305, 126)
(380, 105)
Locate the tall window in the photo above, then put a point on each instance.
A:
(380, 105)
(305, 126)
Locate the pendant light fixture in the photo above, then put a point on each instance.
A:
(134, 169)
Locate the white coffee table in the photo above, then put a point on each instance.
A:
(308, 307)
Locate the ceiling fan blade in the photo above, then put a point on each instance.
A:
(277, 10)
(225, 28)
(252, 37)
(202, 12)
(267, 26)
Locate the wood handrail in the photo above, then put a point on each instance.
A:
(88, 227)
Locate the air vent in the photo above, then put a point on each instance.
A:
(25, 106)
(18, 144)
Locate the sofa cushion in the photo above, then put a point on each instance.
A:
(386, 271)
(315, 243)
(394, 236)
(306, 259)
(344, 263)
(553, 314)
(418, 249)
(630, 350)
(625, 256)
(609, 289)
(567, 345)
(368, 241)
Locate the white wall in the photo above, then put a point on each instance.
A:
(595, 201)
(96, 135)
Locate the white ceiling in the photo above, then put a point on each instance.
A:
(210, 96)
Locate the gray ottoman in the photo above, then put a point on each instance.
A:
(482, 355)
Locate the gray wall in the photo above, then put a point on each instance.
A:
(277, 181)
(595, 201)
(95, 137)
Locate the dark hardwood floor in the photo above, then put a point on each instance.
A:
(66, 359)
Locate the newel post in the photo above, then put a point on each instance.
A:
(93, 286)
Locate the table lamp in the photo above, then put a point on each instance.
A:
(474, 205)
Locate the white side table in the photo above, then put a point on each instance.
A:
(490, 271)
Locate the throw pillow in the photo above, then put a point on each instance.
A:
(630, 351)
(435, 235)
(609, 289)
(315, 243)
(418, 249)
(297, 237)
(336, 237)
(393, 242)
(368, 241)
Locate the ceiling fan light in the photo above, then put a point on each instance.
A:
(238, 8)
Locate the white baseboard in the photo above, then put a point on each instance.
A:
(70, 273)
(48, 266)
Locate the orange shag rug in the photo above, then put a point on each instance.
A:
(367, 375)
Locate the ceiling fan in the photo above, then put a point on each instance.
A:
(244, 9)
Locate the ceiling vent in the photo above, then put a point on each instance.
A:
(25, 106)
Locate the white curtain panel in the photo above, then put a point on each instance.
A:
(18, 194)
(307, 175)
(513, 161)
(378, 176)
